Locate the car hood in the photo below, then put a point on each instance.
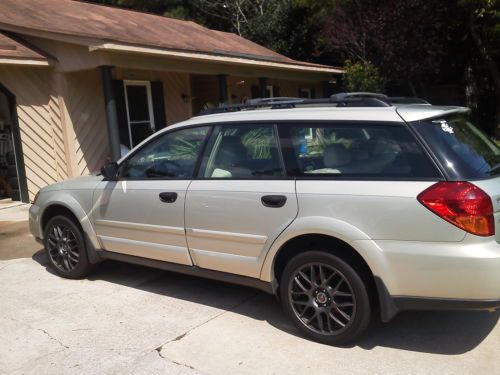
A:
(78, 183)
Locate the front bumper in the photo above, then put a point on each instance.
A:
(34, 222)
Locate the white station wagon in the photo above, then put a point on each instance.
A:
(341, 207)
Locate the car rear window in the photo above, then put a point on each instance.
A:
(355, 151)
(465, 152)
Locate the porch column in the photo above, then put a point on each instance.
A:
(222, 88)
(111, 113)
(262, 86)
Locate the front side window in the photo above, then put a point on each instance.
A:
(242, 151)
(357, 150)
(170, 155)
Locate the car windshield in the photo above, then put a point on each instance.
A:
(464, 151)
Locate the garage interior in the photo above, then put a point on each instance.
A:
(9, 182)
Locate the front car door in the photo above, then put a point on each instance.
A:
(241, 200)
(142, 214)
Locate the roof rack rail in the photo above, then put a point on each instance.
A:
(352, 99)
(407, 100)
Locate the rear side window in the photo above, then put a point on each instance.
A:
(355, 150)
(465, 152)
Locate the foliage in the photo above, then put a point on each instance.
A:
(402, 38)
(362, 76)
(257, 141)
(415, 44)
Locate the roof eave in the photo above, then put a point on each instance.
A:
(24, 62)
(216, 58)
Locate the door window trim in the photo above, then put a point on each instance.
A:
(209, 142)
(149, 96)
(165, 133)
(289, 155)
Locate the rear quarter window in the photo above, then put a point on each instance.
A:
(355, 151)
(464, 151)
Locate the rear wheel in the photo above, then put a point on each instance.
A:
(325, 297)
(65, 247)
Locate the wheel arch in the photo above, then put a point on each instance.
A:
(339, 238)
(69, 207)
(332, 245)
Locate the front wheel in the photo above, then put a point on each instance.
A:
(325, 297)
(65, 248)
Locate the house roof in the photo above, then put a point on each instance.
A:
(107, 24)
(14, 50)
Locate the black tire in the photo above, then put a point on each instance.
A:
(324, 302)
(14, 183)
(65, 248)
(12, 171)
(15, 195)
(11, 159)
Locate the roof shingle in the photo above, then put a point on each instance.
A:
(109, 24)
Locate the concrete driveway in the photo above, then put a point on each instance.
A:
(126, 319)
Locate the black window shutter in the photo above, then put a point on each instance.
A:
(159, 112)
(121, 110)
(276, 91)
(255, 92)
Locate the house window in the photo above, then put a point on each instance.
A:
(139, 105)
(269, 91)
(305, 93)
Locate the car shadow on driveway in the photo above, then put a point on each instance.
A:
(442, 332)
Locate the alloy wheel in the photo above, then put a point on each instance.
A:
(322, 298)
(63, 247)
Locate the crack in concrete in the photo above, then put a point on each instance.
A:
(235, 306)
(53, 338)
(181, 336)
(184, 364)
(158, 349)
(7, 265)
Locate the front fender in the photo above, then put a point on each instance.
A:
(68, 201)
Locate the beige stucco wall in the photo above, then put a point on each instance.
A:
(86, 119)
(38, 111)
(62, 122)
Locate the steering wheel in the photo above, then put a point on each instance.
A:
(164, 168)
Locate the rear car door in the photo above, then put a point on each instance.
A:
(241, 200)
(142, 214)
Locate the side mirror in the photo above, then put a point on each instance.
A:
(110, 171)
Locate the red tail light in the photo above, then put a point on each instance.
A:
(462, 204)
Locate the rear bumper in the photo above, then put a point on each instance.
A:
(408, 303)
(439, 276)
(390, 306)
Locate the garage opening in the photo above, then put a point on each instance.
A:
(12, 174)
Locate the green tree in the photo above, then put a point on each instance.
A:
(362, 76)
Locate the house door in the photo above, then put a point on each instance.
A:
(12, 175)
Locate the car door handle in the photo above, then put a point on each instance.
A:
(273, 200)
(168, 197)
